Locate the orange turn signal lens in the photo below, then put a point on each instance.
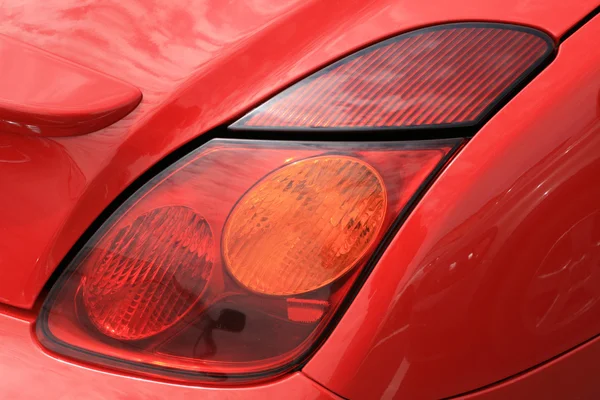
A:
(304, 225)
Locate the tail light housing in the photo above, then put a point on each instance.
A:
(232, 264)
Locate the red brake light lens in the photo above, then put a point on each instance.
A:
(443, 76)
(140, 282)
(231, 264)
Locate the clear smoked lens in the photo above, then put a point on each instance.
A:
(441, 76)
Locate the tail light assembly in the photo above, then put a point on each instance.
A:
(232, 264)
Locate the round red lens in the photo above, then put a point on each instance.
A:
(148, 274)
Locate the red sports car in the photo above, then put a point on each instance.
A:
(299, 199)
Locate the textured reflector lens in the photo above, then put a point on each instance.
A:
(446, 75)
(149, 273)
(304, 225)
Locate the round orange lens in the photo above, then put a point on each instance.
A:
(148, 274)
(304, 225)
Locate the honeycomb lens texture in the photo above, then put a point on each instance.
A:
(149, 273)
(304, 225)
(438, 76)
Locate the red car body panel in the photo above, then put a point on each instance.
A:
(498, 267)
(198, 65)
(464, 296)
(571, 376)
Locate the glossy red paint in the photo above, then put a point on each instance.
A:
(571, 376)
(30, 373)
(199, 64)
(41, 94)
(498, 267)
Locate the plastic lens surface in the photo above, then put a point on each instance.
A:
(148, 274)
(309, 222)
(442, 76)
(231, 264)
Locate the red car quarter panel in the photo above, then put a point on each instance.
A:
(198, 65)
(498, 268)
